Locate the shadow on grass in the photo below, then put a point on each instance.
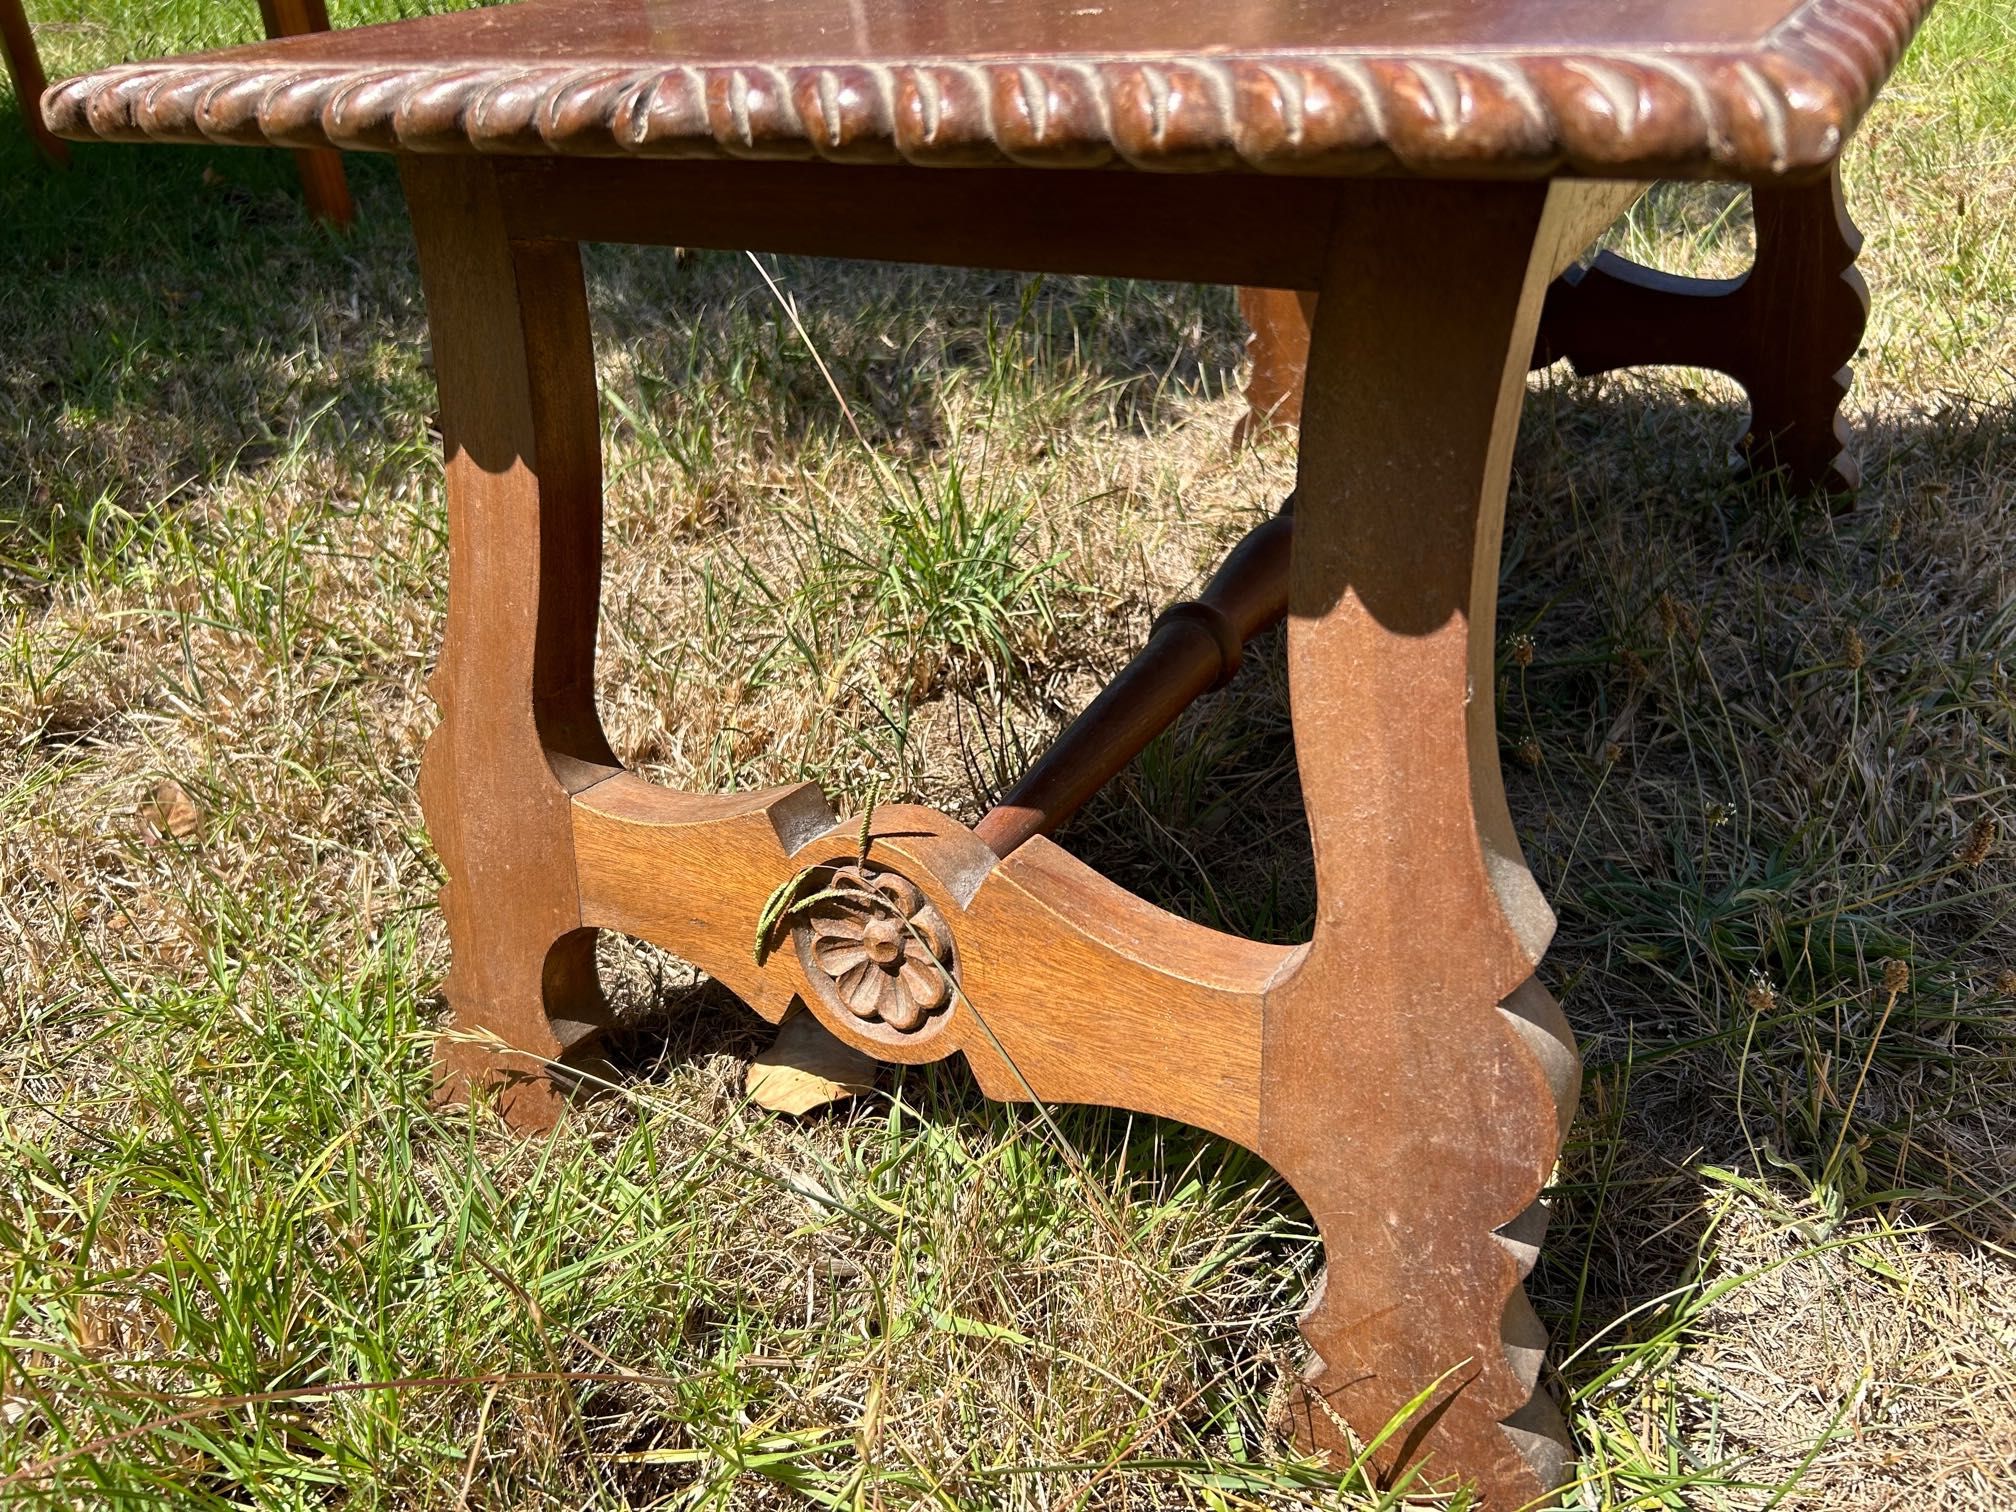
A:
(169, 314)
(169, 317)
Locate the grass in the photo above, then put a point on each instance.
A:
(1760, 758)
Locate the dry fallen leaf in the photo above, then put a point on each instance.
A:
(806, 1068)
(169, 812)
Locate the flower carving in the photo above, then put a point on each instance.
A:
(883, 949)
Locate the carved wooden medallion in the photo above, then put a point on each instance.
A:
(875, 947)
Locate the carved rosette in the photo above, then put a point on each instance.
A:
(875, 947)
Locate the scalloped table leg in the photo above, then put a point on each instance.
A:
(1786, 331)
(519, 735)
(1415, 1079)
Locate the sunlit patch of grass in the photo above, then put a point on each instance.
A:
(957, 592)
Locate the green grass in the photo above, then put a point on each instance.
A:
(1751, 755)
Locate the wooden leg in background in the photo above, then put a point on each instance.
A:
(24, 68)
(323, 184)
(1811, 309)
(1277, 345)
(1786, 330)
(1415, 1078)
(518, 735)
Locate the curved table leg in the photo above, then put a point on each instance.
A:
(24, 68)
(1415, 1079)
(519, 734)
(1277, 345)
(1785, 331)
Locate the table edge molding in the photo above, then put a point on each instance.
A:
(1780, 108)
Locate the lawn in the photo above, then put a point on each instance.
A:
(1759, 755)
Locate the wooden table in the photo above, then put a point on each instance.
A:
(1425, 170)
(322, 183)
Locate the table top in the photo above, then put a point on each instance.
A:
(1755, 89)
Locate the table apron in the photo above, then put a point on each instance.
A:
(1197, 228)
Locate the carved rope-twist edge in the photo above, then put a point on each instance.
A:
(1783, 107)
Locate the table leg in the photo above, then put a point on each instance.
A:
(323, 184)
(1403, 1071)
(1785, 331)
(1277, 346)
(1415, 1078)
(519, 734)
(24, 68)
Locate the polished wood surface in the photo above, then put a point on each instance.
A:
(1759, 89)
(839, 31)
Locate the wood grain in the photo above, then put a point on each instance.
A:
(1409, 1067)
(1071, 988)
(515, 683)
